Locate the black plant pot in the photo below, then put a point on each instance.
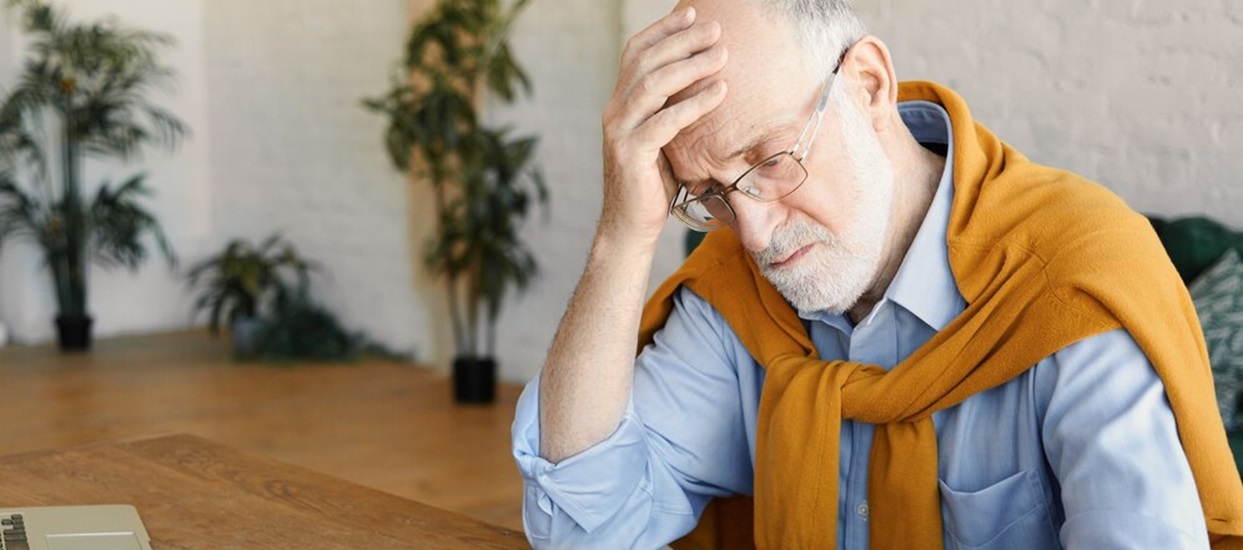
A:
(245, 332)
(474, 379)
(74, 332)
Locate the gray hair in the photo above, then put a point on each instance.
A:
(826, 27)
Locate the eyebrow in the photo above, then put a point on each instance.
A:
(768, 135)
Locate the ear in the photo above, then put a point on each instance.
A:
(870, 68)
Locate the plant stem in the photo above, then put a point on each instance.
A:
(472, 309)
(491, 328)
(455, 315)
(74, 299)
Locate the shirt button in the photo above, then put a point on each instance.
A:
(862, 510)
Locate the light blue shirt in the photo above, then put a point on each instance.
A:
(1080, 451)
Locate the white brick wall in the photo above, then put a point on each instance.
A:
(271, 91)
(293, 151)
(9, 278)
(154, 298)
(1137, 94)
(1134, 93)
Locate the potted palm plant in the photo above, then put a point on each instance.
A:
(483, 181)
(90, 82)
(235, 285)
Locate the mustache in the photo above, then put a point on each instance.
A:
(790, 237)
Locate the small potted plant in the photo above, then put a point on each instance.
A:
(235, 286)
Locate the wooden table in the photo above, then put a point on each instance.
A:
(193, 493)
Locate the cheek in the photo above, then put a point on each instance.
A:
(833, 198)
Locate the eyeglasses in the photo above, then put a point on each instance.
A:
(771, 179)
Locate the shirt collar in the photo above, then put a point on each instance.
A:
(924, 284)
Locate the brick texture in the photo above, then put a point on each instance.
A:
(293, 151)
(1136, 94)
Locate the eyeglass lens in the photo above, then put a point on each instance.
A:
(772, 179)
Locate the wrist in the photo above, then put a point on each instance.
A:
(628, 246)
(631, 231)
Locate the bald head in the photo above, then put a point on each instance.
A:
(824, 27)
(787, 40)
(772, 76)
(759, 43)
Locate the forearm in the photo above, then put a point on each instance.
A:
(640, 486)
(587, 377)
(615, 494)
(590, 368)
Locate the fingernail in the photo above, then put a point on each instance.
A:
(690, 14)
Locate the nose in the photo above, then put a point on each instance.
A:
(754, 221)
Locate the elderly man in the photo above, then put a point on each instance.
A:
(903, 335)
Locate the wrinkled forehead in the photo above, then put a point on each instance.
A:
(762, 46)
(767, 75)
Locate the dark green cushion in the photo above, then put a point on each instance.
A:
(1218, 297)
(692, 240)
(1195, 243)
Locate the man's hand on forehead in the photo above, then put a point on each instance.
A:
(668, 79)
(690, 91)
(586, 380)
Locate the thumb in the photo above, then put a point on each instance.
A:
(666, 175)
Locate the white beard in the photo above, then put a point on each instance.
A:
(833, 275)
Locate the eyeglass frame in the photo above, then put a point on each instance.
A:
(678, 205)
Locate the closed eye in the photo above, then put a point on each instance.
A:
(702, 187)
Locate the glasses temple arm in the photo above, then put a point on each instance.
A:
(821, 106)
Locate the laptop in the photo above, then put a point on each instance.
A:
(103, 527)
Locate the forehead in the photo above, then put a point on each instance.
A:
(770, 85)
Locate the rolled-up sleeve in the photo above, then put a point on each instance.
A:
(1111, 440)
(681, 441)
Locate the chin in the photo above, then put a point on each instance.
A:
(827, 284)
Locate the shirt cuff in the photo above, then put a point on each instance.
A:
(588, 485)
(1120, 529)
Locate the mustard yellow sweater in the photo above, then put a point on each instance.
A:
(1044, 259)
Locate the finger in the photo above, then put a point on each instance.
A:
(663, 126)
(652, 91)
(666, 175)
(679, 46)
(657, 31)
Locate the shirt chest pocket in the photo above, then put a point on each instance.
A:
(1011, 513)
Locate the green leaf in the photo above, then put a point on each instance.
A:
(244, 278)
(482, 180)
(89, 84)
